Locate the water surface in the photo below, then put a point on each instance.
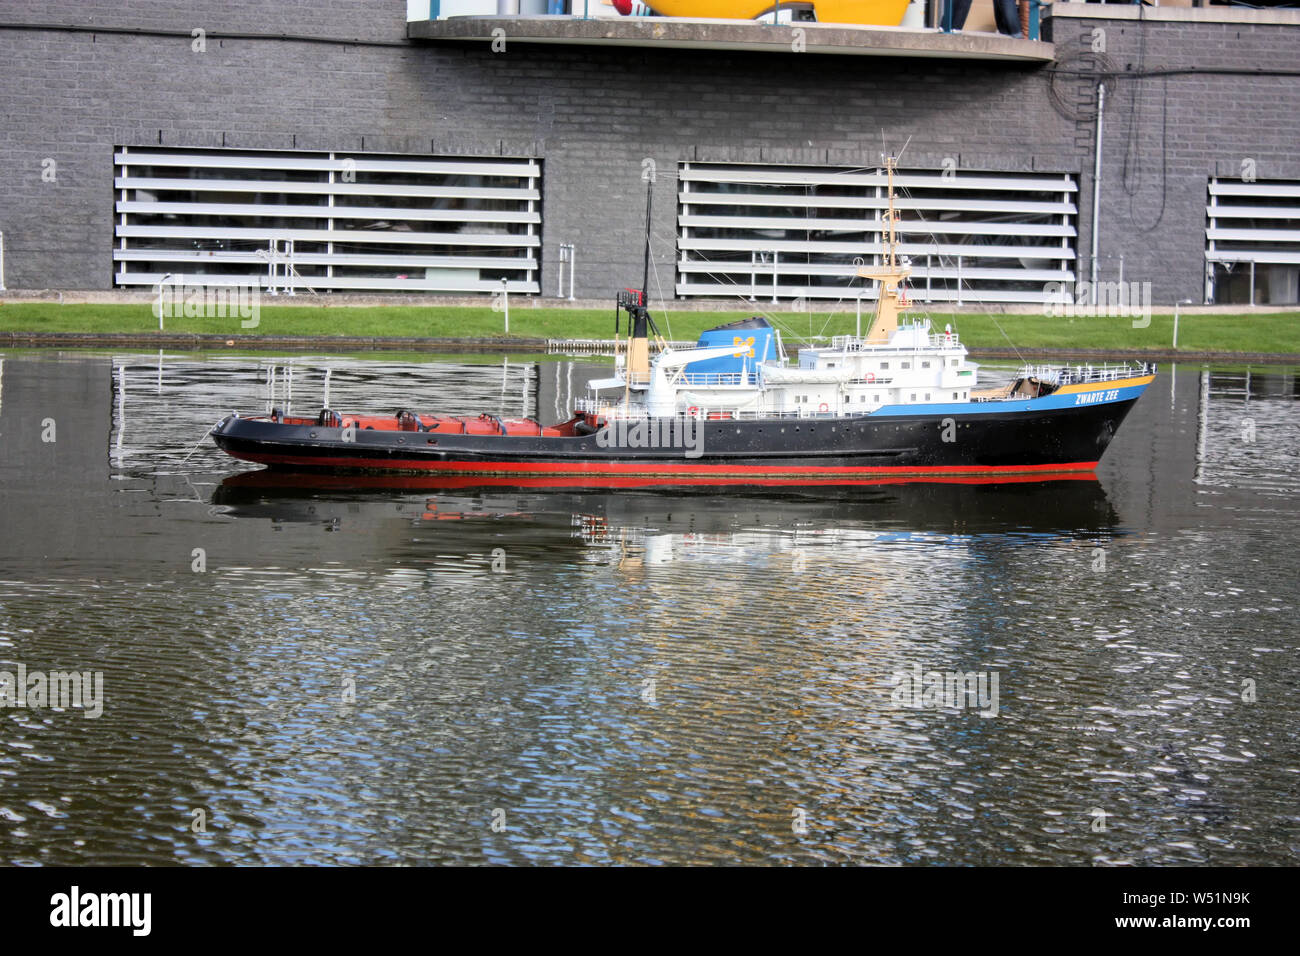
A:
(410, 674)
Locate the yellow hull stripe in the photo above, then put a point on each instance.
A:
(1104, 386)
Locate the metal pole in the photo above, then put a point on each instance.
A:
(573, 264)
(1180, 302)
(859, 331)
(1096, 189)
(645, 275)
(326, 397)
(559, 279)
(775, 277)
(505, 379)
(505, 300)
(2, 261)
(161, 283)
(1252, 282)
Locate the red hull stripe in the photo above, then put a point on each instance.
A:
(451, 483)
(641, 470)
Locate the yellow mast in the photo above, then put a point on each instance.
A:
(890, 275)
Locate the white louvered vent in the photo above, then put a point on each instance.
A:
(971, 236)
(1252, 241)
(356, 222)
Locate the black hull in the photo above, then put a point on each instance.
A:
(916, 445)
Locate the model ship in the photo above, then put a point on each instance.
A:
(900, 402)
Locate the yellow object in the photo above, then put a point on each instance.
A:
(885, 13)
(891, 298)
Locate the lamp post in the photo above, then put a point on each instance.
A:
(162, 282)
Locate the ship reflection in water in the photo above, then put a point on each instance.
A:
(649, 528)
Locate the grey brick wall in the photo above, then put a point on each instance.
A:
(593, 115)
(1166, 135)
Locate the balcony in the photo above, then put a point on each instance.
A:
(761, 36)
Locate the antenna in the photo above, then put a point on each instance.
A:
(645, 275)
(903, 150)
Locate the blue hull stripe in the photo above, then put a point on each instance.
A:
(1102, 396)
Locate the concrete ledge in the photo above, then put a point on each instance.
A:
(1109, 11)
(742, 35)
(433, 300)
(334, 344)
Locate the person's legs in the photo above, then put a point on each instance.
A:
(1007, 15)
(960, 10)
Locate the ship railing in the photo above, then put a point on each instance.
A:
(718, 378)
(597, 346)
(854, 343)
(619, 412)
(1076, 374)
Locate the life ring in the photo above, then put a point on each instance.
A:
(693, 411)
(869, 377)
(824, 407)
